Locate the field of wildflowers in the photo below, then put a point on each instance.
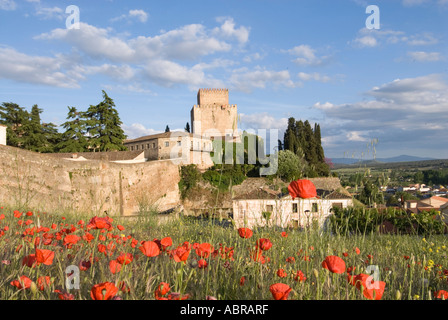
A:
(47, 256)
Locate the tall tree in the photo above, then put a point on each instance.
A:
(74, 137)
(16, 119)
(52, 137)
(167, 129)
(34, 138)
(104, 126)
(187, 127)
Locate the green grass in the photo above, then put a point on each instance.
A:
(221, 278)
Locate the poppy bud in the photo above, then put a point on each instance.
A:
(398, 295)
(316, 273)
(33, 287)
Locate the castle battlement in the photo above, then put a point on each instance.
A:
(215, 106)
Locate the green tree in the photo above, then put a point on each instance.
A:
(104, 126)
(74, 137)
(167, 129)
(290, 166)
(187, 127)
(16, 119)
(34, 138)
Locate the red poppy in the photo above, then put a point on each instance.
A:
(302, 188)
(85, 265)
(64, 295)
(282, 273)
(290, 259)
(345, 254)
(334, 264)
(202, 264)
(264, 244)
(373, 290)
(245, 233)
(441, 294)
(165, 243)
(299, 276)
(114, 266)
(180, 254)
(149, 249)
(204, 250)
(284, 234)
(125, 258)
(23, 283)
(103, 291)
(44, 256)
(70, 240)
(280, 291)
(30, 261)
(242, 281)
(99, 223)
(43, 282)
(120, 227)
(17, 214)
(162, 290)
(29, 213)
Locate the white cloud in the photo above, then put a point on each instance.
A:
(422, 56)
(313, 76)
(18, 66)
(409, 3)
(305, 56)
(7, 5)
(403, 113)
(247, 80)
(373, 38)
(138, 14)
(227, 30)
(50, 13)
(136, 130)
(262, 121)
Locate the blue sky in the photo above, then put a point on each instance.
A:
(312, 60)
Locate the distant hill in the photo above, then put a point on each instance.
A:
(402, 158)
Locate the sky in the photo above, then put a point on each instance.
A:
(375, 80)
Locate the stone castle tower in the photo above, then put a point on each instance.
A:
(213, 116)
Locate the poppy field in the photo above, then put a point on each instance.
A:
(46, 256)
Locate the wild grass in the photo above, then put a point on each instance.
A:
(412, 266)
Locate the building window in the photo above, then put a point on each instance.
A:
(315, 207)
(136, 147)
(143, 147)
(295, 208)
(147, 146)
(154, 145)
(167, 143)
(179, 143)
(132, 148)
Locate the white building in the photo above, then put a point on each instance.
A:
(266, 207)
(3, 134)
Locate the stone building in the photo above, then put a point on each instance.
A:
(184, 147)
(3, 134)
(213, 116)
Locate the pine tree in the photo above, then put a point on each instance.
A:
(167, 129)
(16, 119)
(187, 127)
(104, 126)
(74, 138)
(52, 137)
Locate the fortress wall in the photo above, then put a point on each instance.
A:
(42, 182)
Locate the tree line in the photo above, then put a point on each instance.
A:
(96, 129)
(305, 149)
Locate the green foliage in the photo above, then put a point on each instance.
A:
(189, 178)
(361, 220)
(104, 126)
(74, 138)
(305, 142)
(225, 177)
(290, 166)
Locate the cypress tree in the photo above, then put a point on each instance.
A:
(187, 127)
